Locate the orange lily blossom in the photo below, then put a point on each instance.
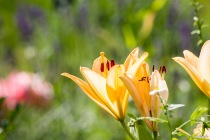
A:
(198, 67)
(103, 85)
(145, 91)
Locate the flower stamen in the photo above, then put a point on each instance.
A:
(160, 69)
(107, 65)
(163, 71)
(145, 79)
(112, 63)
(102, 67)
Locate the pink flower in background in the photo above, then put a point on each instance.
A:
(25, 88)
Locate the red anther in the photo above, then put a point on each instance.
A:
(142, 78)
(102, 67)
(160, 69)
(112, 63)
(164, 69)
(107, 65)
(148, 79)
(153, 68)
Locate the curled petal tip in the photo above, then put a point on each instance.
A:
(64, 74)
(185, 51)
(175, 58)
(82, 68)
(146, 53)
(135, 49)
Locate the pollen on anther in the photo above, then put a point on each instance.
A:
(153, 68)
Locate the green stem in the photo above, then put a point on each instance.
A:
(122, 122)
(181, 126)
(155, 134)
(169, 125)
(165, 107)
(199, 22)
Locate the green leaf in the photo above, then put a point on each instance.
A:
(195, 23)
(204, 25)
(153, 119)
(203, 130)
(174, 106)
(143, 134)
(199, 7)
(204, 127)
(197, 114)
(131, 116)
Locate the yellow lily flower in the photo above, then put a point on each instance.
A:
(145, 91)
(103, 85)
(198, 67)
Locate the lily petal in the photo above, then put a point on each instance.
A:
(133, 69)
(204, 65)
(113, 82)
(131, 88)
(136, 91)
(157, 91)
(98, 84)
(191, 58)
(116, 89)
(194, 74)
(130, 59)
(88, 91)
(155, 78)
(158, 85)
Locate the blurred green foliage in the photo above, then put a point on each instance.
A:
(54, 36)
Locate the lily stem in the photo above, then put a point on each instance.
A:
(199, 24)
(169, 125)
(181, 126)
(122, 122)
(165, 107)
(155, 134)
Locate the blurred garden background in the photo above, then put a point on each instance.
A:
(49, 37)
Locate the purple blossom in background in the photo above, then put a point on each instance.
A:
(23, 23)
(82, 18)
(27, 17)
(184, 31)
(172, 15)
